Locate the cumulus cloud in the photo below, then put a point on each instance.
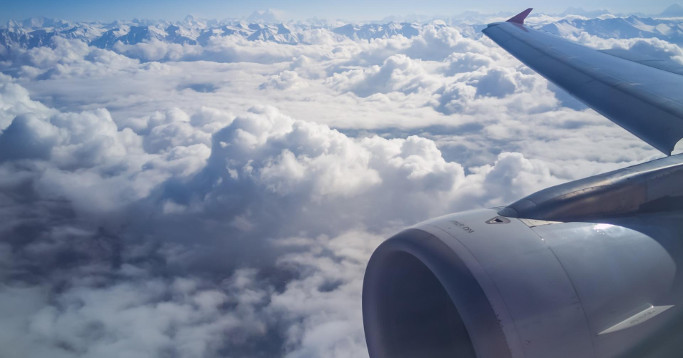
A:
(15, 101)
(398, 73)
(268, 177)
(460, 62)
(438, 41)
(495, 83)
(218, 193)
(284, 80)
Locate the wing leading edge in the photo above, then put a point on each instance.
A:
(646, 101)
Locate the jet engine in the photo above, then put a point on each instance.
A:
(585, 269)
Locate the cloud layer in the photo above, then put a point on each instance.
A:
(217, 190)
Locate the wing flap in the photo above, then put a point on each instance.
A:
(662, 64)
(646, 101)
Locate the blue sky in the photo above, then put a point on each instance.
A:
(297, 9)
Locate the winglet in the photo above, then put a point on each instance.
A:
(519, 18)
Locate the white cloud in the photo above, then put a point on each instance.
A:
(495, 83)
(398, 73)
(438, 41)
(14, 101)
(284, 80)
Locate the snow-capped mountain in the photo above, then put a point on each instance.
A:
(373, 31)
(107, 35)
(674, 10)
(620, 27)
(40, 31)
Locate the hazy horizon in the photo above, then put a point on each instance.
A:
(354, 11)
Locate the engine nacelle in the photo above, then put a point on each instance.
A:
(476, 284)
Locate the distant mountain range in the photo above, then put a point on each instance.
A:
(40, 31)
(674, 10)
(620, 27)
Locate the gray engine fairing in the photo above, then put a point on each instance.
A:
(480, 284)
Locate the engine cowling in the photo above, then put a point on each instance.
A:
(477, 284)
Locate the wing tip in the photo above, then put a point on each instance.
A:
(519, 18)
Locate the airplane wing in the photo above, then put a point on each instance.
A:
(644, 100)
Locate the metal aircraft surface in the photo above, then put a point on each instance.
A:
(590, 268)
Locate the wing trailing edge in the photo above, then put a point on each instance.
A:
(646, 101)
(651, 187)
